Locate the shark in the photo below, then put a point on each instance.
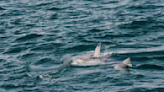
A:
(95, 59)
(124, 65)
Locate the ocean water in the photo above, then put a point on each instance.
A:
(36, 34)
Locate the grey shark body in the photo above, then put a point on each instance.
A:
(123, 65)
(89, 61)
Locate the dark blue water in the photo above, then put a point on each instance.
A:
(36, 34)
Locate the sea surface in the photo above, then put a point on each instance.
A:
(36, 34)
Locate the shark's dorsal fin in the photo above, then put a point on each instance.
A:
(127, 62)
(97, 50)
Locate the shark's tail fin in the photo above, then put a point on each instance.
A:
(127, 62)
(97, 50)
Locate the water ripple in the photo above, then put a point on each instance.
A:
(150, 66)
(35, 35)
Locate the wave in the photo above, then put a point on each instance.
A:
(15, 50)
(54, 16)
(1, 8)
(28, 37)
(47, 46)
(146, 89)
(54, 9)
(149, 66)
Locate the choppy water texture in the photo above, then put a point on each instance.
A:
(36, 34)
